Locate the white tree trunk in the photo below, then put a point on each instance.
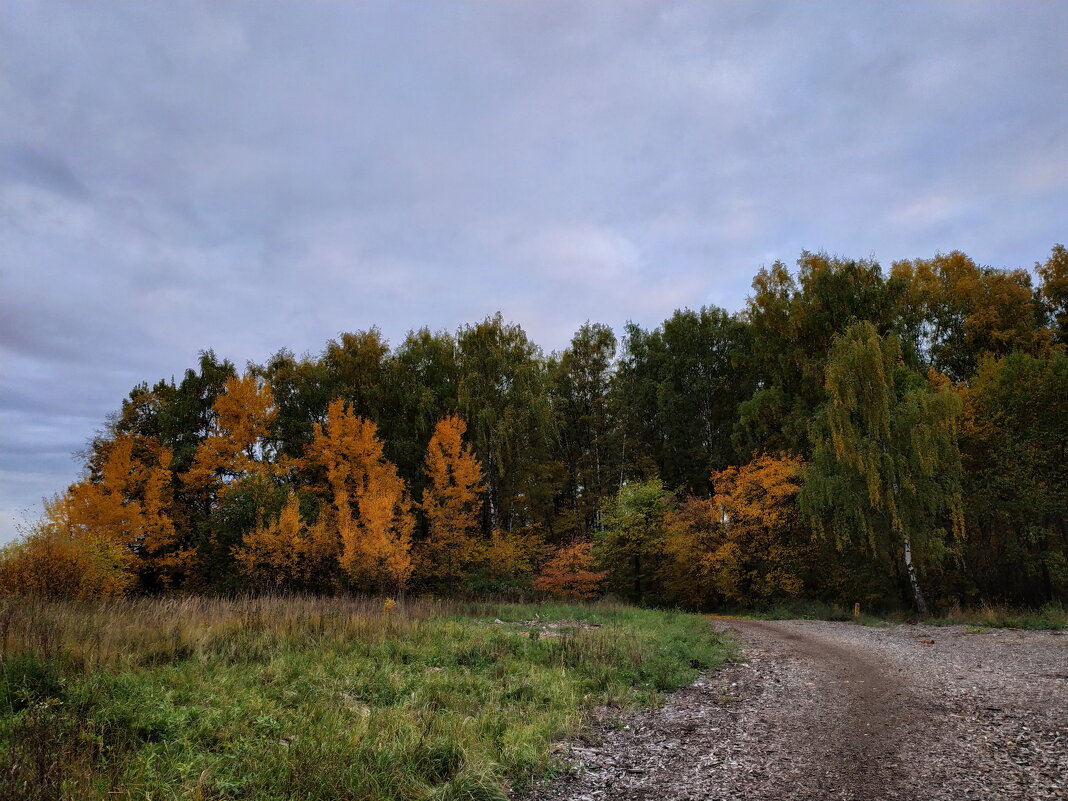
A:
(921, 605)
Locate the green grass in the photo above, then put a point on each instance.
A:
(316, 698)
(1049, 616)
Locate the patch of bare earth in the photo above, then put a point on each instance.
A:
(838, 711)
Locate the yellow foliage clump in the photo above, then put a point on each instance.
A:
(747, 543)
(236, 444)
(369, 506)
(452, 505)
(53, 563)
(287, 552)
(510, 557)
(121, 517)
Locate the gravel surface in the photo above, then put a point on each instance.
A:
(837, 711)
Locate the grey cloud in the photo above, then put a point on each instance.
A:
(247, 176)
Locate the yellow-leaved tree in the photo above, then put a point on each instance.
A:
(236, 446)
(97, 536)
(452, 504)
(369, 509)
(747, 544)
(288, 553)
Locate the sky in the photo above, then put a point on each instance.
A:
(179, 176)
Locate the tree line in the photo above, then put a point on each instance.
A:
(851, 435)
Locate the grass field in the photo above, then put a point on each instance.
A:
(312, 698)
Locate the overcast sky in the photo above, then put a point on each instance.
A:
(177, 176)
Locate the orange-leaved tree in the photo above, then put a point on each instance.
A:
(746, 544)
(766, 543)
(571, 573)
(237, 445)
(452, 505)
(97, 535)
(369, 509)
(288, 553)
(127, 503)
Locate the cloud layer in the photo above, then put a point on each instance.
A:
(181, 176)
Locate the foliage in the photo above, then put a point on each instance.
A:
(452, 507)
(747, 544)
(587, 415)
(299, 474)
(631, 541)
(967, 311)
(51, 562)
(1054, 291)
(510, 559)
(679, 387)
(1014, 443)
(886, 466)
(570, 573)
(369, 509)
(288, 553)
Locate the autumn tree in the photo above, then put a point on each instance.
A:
(452, 507)
(53, 562)
(1054, 292)
(96, 537)
(886, 467)
(961, 312)
(289, 553)
(746, 545)
(509, 560)
(571, 572)
(238, 443)
(369, 508)
(126, 500)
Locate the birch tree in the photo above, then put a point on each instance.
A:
(886, 468)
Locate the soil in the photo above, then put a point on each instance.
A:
(833, 711)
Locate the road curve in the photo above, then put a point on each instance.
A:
(825, 711)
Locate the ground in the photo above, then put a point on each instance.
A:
(818, 711)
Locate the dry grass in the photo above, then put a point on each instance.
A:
(314, 698)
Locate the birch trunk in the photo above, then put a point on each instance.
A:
(921, 605)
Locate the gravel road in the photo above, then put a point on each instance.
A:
(833, 711)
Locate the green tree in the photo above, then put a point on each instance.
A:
(630, 544)
(678, 390)
(503, 393)
(886, 466)
(792, 323)
(420, 389)
(1014, 444)
(302, 391)
(586, 423)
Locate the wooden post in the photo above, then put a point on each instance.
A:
(856, 611)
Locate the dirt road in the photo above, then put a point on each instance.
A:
(835, 711)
